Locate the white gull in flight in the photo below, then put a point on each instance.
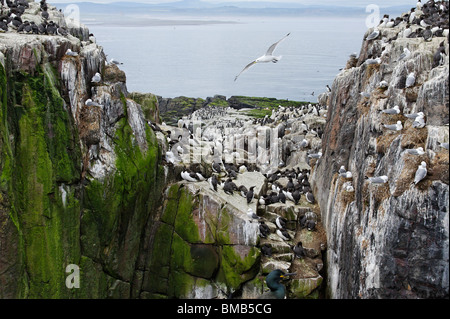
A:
(268, 57)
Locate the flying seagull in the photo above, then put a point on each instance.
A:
(268, 57)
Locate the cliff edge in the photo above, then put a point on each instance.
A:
(389, 240)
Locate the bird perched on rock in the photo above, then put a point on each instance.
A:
(170, 157)
(264, 230)
(315, 155)
(415, 151)
(266, 250)
(283, 234)
(405, 55)
(394, 127)
(419, 122)
(277, 290)
(421, 172)
(410, 80)
(250, 195)
(394, 110)
(296, 196)
(413, 115)
(282, 197)
(69, 52)
(378, 179)
(243, 190)
(96, 78)
(213, 182)
(228, 187)
(216, 166)
(280, 222)
(299, 251)
(310, 198)
(373, 35)
(251, 214)
(189, 176)
(89, 102)
(310, 224)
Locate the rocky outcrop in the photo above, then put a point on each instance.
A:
(78, 182)
(387, 240)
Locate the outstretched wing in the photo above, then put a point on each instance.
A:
(273, 46)
(245, 69)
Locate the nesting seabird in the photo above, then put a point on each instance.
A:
(170, 157)
(347, 174)
(383, 84)
(415, 151)
(114, 61)
(419, 122)
(410, 80)
(342, 170)
(394, 127)
(378, 179)
(315, 155)
(96, 78)
(394, 110)
(69, 52)
(405, 55)
(421, 172)
(304, 143)
(89, 102)
(375, 33)
(268, 57)
(414, 115)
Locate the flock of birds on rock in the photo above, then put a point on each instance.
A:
(12, 19)
(285, 185)
(427, 20)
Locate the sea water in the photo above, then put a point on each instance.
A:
(199, 58)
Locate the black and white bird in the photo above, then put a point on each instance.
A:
(280, 222)
(283, 234)
(310, 198)
(299, 251)
(264, 230)
(213, 181)
(250, 195)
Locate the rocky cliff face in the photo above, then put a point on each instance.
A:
(388, 240)
(78, 181)
(83, 183)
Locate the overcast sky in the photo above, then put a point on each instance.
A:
(382, 3)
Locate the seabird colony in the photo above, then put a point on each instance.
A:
(226, 140)
(426, 21)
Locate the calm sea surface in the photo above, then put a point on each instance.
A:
(202, 59)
